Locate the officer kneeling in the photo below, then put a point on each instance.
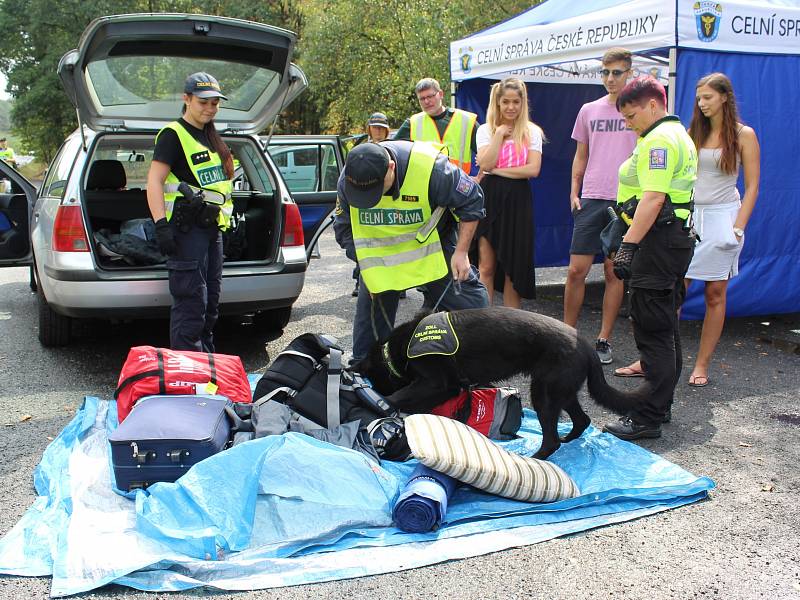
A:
(407, 216)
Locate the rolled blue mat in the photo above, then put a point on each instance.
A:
(422, 505)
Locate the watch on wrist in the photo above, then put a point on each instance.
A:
(738, 231)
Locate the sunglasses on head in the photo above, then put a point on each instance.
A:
(615, 72)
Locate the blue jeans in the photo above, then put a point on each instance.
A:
(195, 282)
(382, 310)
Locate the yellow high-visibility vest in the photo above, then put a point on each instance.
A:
(666, 155)
(457, 137)
(206, 166)
(392, 253)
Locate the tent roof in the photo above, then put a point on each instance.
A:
(548, 11)
(562, 31)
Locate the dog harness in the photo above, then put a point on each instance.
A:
(434, 335)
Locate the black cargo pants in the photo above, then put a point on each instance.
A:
(657, 292)
(195, 283)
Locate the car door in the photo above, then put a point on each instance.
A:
(311, 168)
(17, 199)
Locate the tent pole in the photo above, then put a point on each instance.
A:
(453, 94)
(673, 63)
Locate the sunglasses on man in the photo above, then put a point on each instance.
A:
(615, 72)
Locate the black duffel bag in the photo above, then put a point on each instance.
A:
(308, 377)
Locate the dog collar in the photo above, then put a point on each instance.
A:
(388, 360)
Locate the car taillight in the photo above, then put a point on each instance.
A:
(292, 226)
(69, 234)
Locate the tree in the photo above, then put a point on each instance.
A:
(35, 34)
(362, 56)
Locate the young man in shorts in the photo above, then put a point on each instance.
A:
(603, 143)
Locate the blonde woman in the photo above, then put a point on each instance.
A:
(509, 154)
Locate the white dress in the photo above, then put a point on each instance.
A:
(716, 206)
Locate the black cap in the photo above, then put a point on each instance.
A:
(378, 119)
(364, 172)
(203, 85)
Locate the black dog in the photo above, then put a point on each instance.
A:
(495, 344)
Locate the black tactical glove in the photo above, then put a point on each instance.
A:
(623, 260)
(165, 237)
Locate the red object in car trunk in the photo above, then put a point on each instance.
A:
(69, 233)
(292, 226)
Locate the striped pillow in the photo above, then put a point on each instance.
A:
(453, 448)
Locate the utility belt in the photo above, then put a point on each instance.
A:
(622, 217)
(190, 209)
(666, 216)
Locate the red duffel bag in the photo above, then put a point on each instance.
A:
(495, 412)
(150, 371)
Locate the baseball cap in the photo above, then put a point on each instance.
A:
(364, 172)
(203, 85)
(378, 119)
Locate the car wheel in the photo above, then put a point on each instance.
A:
(54, 329)
(273, 320)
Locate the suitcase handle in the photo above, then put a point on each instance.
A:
(141, 457)
(177, 456)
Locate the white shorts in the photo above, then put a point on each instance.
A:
(716, 256)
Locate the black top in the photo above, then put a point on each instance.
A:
(169, 151)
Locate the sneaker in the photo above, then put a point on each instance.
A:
(354, 293)
(628, 429)
(603, 349)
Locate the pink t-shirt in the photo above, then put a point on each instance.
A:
(610, 142)
(509, 155)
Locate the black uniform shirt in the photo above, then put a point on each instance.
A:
(169, 151)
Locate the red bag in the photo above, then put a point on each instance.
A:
(149, 371)
(494, 412)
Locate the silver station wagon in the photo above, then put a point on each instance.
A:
(86, 232)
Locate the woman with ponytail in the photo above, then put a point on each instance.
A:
(509, 154)
(191, 151)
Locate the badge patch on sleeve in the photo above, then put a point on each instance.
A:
(465, 184)
(658, 158)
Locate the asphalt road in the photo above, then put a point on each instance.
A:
(742, 431)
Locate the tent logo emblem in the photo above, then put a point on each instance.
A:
(708, 15)
(465, 59)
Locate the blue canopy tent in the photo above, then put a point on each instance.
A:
(555, 47)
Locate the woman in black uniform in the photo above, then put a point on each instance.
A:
(655, 252)
(191, 151)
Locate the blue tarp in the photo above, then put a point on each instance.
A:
(290, 510)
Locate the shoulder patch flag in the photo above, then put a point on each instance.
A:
(658, 158)
(465, 184)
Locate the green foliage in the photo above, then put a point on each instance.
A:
(35, 34)
(362, 56)
(5, 116)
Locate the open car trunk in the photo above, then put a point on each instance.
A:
(118, 219)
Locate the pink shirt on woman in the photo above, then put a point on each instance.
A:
(509, 155)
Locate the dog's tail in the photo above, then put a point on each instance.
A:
(621, 402)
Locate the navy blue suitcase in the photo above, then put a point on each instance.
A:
(164, 436)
